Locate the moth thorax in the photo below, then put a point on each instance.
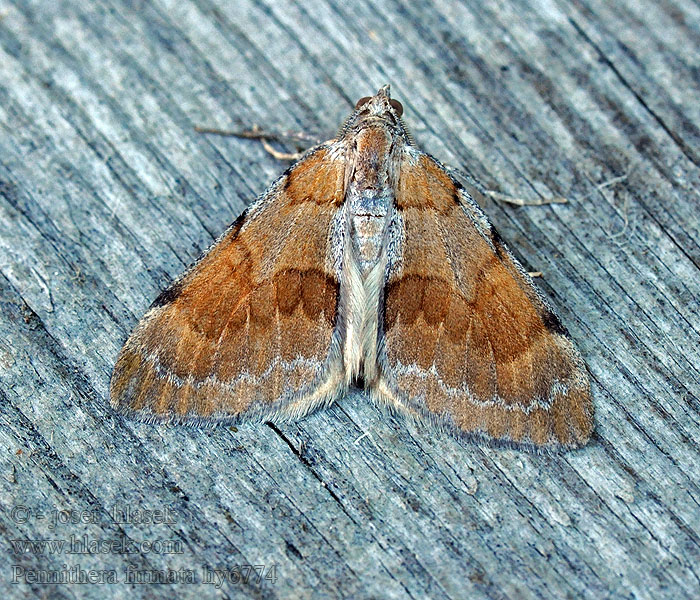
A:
(368, 215)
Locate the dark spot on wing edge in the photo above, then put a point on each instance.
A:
(498, 242)
(235, 227)
(173, 291)
(553, 324)
(168, 295)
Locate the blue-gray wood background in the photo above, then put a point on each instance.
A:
(107, 192)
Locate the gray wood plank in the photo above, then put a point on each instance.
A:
(107, 193)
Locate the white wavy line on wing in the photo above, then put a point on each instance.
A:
(244, 376)
(556, 388)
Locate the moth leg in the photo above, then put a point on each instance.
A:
(280, 155)
(301, 141)
(478, 192)
(500, 197)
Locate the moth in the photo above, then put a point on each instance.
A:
(365, 263)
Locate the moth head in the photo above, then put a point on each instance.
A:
(378, 109)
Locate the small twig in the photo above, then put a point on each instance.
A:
(46, 288)
(364, 435)
(367, 435)
(626, 221)
(612, 181)
(77, 276)
(625, 217)
(499, 197)
(605, 184)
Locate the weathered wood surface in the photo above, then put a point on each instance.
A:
(106, 193)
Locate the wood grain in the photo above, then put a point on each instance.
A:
(107, 193)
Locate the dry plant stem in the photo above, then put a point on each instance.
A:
(499, 197)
